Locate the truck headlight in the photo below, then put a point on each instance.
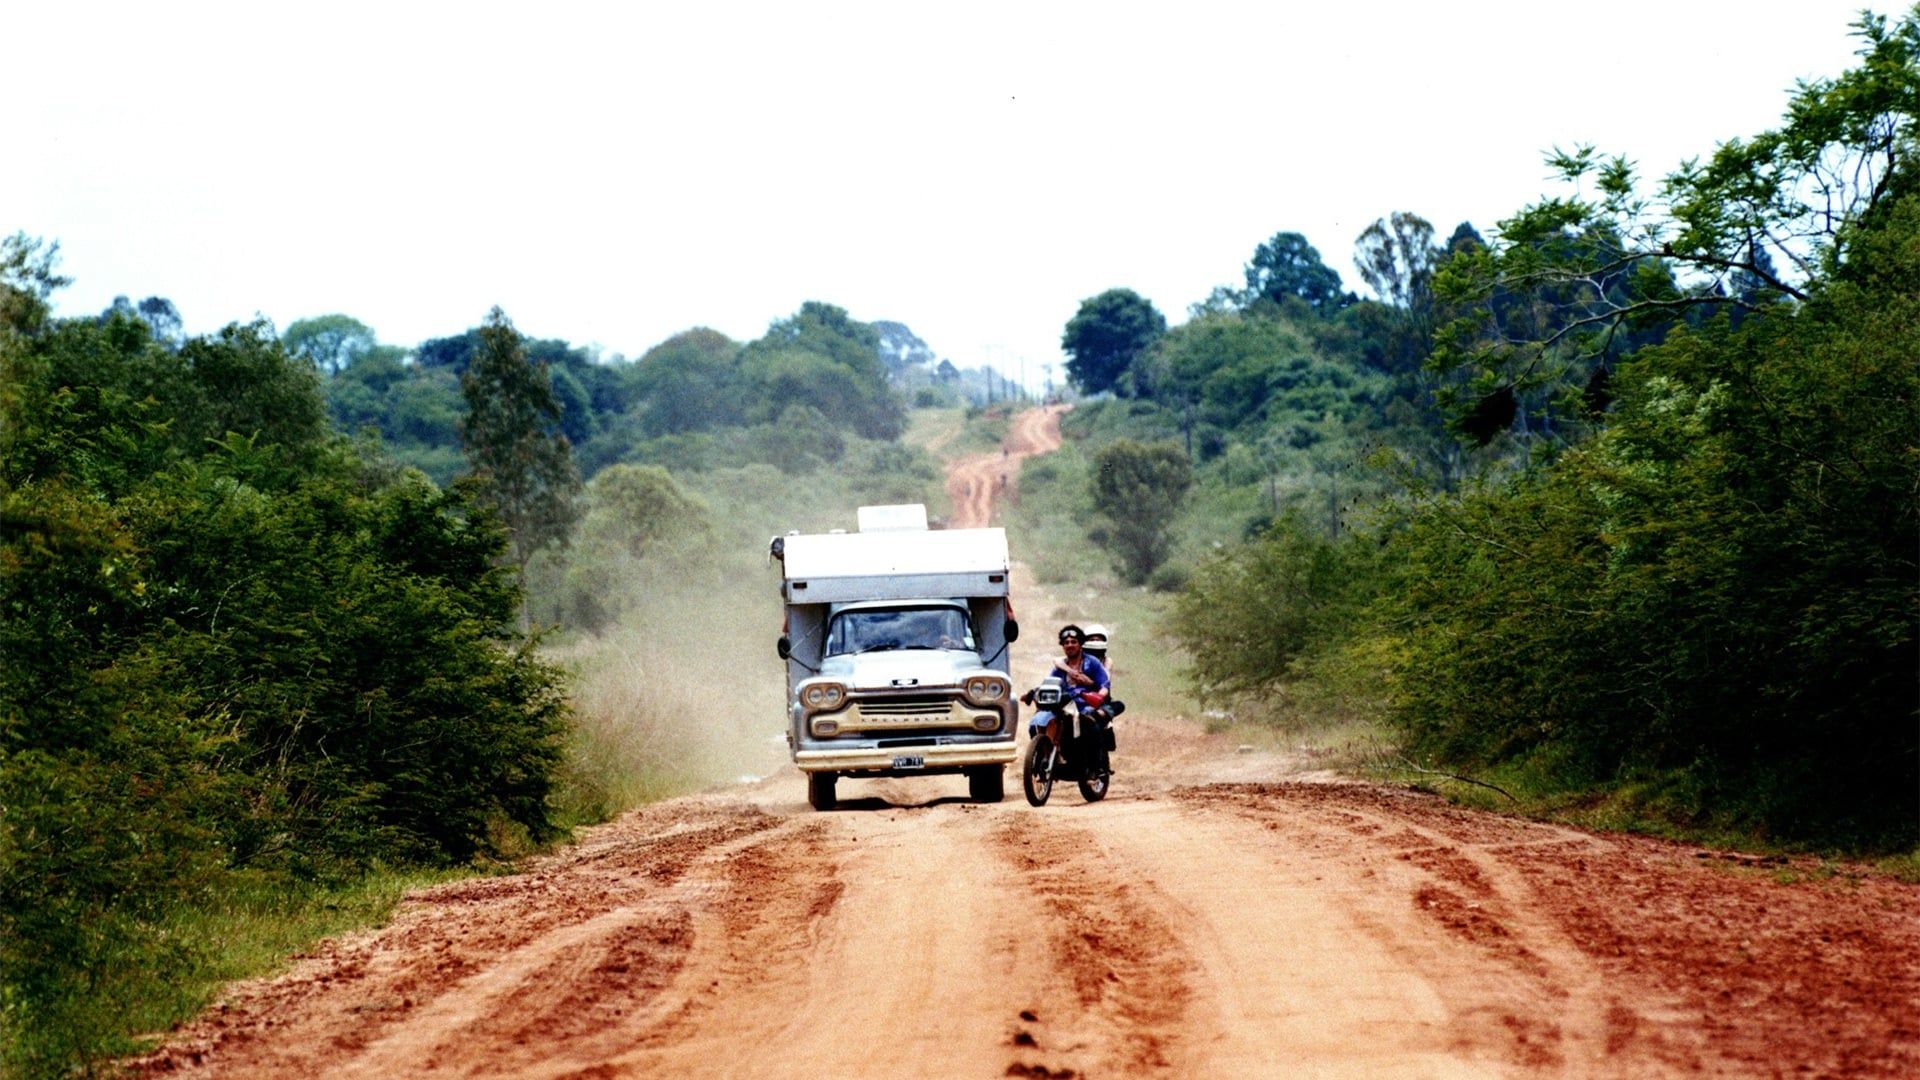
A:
(823, 697)
(987, 690)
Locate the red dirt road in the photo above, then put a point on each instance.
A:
(1220, 914)
(1180, 928)
(975, 483)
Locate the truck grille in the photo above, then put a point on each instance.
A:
(905, 708)
(896, 715)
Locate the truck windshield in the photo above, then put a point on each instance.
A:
(879, 629)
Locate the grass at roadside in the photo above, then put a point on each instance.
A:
(248, 927)
(1665, 806)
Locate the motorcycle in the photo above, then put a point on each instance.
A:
(1081, 755)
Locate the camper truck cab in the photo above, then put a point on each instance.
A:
(896, 652)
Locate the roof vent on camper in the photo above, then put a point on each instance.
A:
(901, 517)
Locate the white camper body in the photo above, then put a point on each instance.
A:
(896, 648)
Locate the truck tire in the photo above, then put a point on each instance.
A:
(988, 784)
(820, 790)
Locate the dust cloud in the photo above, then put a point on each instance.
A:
(682, 691)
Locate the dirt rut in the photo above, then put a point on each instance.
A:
(1176, 929)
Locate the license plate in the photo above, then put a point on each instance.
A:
(910, 761)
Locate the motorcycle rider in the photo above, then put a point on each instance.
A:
(1083, 676)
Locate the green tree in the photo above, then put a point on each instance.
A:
(638, 519)
(107, 405)
(162, 318)
(1253, 616)
(1106, 336)
(1139, 489)
(330, 342)
(513, 444)
(1748, 227)
(1397, 256)
(822, 357)
(230, 646)
(1716, 597)
(1243, 372)
(902, 349)
(27, 278)
(1288, 266)
(245, 383)
(689, 382)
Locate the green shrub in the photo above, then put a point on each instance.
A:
(232, 646)
(1252, 616)
(1721, 590)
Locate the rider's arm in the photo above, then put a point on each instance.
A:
(1101, 680)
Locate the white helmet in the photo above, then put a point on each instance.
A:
(1094, 639)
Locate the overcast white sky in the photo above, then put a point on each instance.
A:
(615, 173)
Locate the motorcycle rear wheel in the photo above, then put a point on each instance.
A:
(1095, 788)
(1036, 774)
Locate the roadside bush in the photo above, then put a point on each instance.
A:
(230, 646)
(1719, 595)
(1253, 616)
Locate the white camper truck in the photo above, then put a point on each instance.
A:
(896, 648)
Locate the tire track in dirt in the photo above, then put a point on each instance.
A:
(1574, 1020)
(1286, 978)
(580, 934)
(1615, 955)
(902, 964)
(728, 912)
(1116, 996)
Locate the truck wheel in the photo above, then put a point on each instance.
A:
(820, 790)
(988, 784)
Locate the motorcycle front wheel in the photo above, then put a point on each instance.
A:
(1036, 775)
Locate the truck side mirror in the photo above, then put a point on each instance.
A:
(784, 647)
(1013, 631)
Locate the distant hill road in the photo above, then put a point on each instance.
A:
(975, 483)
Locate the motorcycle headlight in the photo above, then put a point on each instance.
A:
(823, 697)
(987, 690)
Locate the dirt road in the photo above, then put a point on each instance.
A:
(974, 483)
(1222, 913)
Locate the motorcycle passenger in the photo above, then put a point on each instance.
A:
(1094, 643)
(1084, 678)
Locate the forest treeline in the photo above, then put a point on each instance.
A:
(1620, 508)
(1618, 501)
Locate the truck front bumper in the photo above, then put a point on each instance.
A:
(944, 758)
